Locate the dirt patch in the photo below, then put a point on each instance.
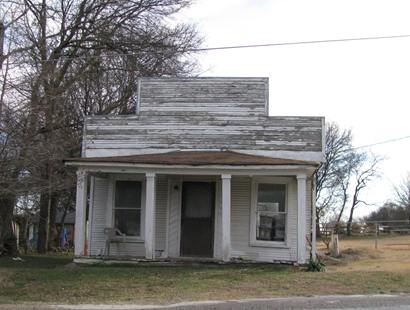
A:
(360, 254)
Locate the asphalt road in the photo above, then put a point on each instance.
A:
(382, 302)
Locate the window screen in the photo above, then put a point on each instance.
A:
(127, 208)
(271, 212)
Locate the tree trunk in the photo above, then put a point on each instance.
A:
(52, 222)
(349, 222)
(318, 232)
(60, 226)
(2, 34)
(42, 244)
(23, 242)
(8, 241)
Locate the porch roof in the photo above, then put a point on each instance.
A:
(194, 158)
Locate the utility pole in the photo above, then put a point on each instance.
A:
(376, 234)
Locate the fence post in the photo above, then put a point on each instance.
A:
(376, 236)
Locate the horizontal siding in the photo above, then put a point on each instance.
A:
(213, 95)
(126, 249)
(105, 136)
(201, 114)
(240, 226)
(240, 223)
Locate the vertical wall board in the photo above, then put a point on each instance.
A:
(97, 242)
(174, 217)
(161, 213)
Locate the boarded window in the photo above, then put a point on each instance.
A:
(127, 208)
(271, 212)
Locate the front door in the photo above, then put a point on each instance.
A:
(197, 219)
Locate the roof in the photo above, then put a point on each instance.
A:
(194, 158)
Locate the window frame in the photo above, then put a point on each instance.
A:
(141, 180)
(253, 211)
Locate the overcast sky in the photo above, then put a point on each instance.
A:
(364, 86)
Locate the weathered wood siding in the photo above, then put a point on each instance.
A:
(126, 135)
(161, 214)
(201, 114)
(97, 237)
(240, 225)
(99, 219)
(236, 96)
(240, 222)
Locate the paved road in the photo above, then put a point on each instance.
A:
(381, 302)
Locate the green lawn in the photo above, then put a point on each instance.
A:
(42, 279)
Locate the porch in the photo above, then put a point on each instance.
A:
(195, 208)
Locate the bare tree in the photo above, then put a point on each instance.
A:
(402, 192)
(76, 57)
(333, 174)
(352, 160)
(2, 32)
(364, 173)
(342, 178)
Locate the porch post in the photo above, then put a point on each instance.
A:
(226, 217)
(313, 195)
(301, 218)
(150, 216)
(80, 213)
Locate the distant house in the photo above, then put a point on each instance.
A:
(29, 235)
(200, 171)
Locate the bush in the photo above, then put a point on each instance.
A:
(316, 266)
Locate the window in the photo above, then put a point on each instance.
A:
(271, 212)
(127, 207)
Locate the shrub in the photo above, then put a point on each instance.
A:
(316, 266)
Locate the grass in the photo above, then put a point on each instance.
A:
(42, 279)
(52, 279)
(391, 255)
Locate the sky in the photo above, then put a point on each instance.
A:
(363, 85)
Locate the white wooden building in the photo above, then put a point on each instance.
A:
(200, 171)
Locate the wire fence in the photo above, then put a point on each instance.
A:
(370, 231)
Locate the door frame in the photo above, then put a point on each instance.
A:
(213, 186)
(175, 210)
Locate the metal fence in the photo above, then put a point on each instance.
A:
(372, 231)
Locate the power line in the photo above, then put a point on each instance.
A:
(378, 143)
(206, 49)
(302, 42)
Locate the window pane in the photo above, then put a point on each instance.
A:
(128, 194)
(128, 221)
(270, 227)
(271, 197)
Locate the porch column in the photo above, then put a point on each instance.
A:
(80, 213)
(226, 217)
(150, 216)
(301, 218)
(313, 210)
